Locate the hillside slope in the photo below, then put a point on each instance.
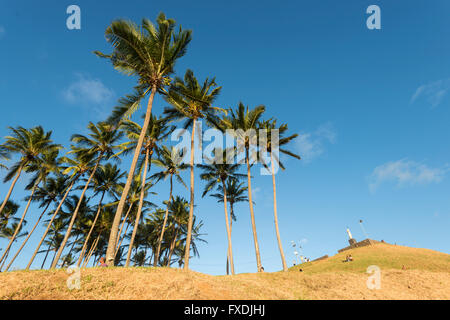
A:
(427, 276)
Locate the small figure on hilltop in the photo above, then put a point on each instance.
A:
(348, 258)
(102, 262)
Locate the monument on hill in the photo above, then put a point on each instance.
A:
(355, 244)
(350, 238)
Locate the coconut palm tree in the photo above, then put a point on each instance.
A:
(6, 217)
(99, 237)
(135, 196)
(11, 234)
(29, 144)
(242, 122)
(101, 142)
(48, 163)
(170, 161)
(139, 258)
(105, 180)
(192, 101)
(157, 131)
(180, 248)
(179, 219)
(8, 213)
(148, 233)
(272, 142)
(56, 235)
(79, 228)
(218, 173)
(78, 166)
(32, 144)
(235, 193)
(150, 53)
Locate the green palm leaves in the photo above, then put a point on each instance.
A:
(29, 145)
(147, 51)
(191, 100)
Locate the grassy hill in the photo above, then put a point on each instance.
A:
(385, 256)
(427, 276)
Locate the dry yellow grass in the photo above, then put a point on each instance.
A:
(427, 277)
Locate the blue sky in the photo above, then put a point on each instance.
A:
(372, 109)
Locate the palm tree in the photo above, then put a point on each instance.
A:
(170, 161)
(11, 234)
(6, 217)
(78, 166)
(156, 132)
(46, 165)
(192, 101)
(137, 192)
(139, 258)
(82, 224)
(242, 122)
(179, 213)
(219, 173)
(180, 248)
(29, 144)
(105, 180)
(149, 53)
(101, 143)
(8, 214)
(275, 142)
(235, 193)
(56, 235)
(98, 239)
(32, 144)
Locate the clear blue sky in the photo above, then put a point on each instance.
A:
(372, 109)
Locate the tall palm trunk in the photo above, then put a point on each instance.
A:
(91, 251)
(90, 230)
(45, 258)
(252, 215)
(49, 248)
(73, 246)
(6, 256)
(56, 250)
(110, 252)
(187, 251)
(231, 230)
(119, 239)
(28, 237)
(13, 238)
(172, 246)
(164, 225)
(50, 223)
(74, 215)
(283, 260)
(225, 205)
(141, 202)
(10, 189)
(120, 243)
